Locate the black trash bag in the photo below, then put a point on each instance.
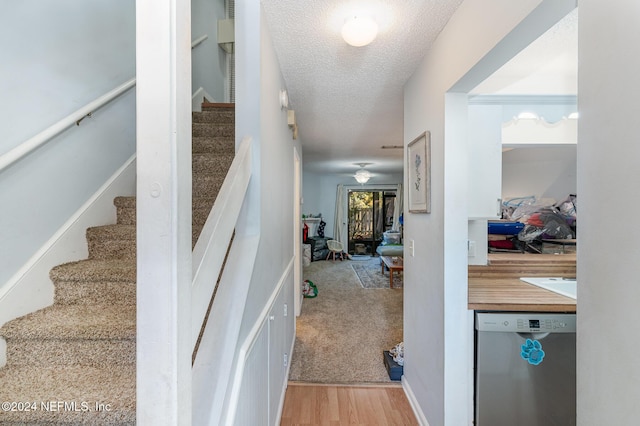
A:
(555, 226)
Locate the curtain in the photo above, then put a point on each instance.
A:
(397, 210)
(338, 223)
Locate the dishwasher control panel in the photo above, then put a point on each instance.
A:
(529, 322)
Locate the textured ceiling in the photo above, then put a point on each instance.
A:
(349, 100)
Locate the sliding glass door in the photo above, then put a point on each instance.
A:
(370, 213)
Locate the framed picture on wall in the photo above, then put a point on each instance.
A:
(419, 174)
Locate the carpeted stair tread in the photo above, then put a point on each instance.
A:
(125, 201)
(120, 232)
(202, 202)
(198, 202)
(40, 353)
(95, 292)
(206, 186)
(221, 115)
(201, 208)
(95, 281)
(112, 241)
(126, 207)
(115, 386)
(217, 144)
(114, 270)
(213, 129)
(220, 144)
(74, 322)
(125, 210)
(209, 163)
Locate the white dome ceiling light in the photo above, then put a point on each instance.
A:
(359, 30)
(362, 175)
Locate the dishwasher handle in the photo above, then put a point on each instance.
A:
(533, 336)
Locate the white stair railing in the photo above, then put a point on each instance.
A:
(211, 372)
(30, 145)
(211, 247)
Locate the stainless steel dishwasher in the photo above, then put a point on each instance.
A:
(525, 369)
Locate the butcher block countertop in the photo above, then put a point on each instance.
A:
(497, 286)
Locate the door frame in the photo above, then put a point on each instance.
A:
(297, 232)
(345, 202)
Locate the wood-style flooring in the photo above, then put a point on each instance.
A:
(318, 404)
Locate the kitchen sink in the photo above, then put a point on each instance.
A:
(564, 286)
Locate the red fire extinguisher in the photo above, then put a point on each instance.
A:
(305, 232)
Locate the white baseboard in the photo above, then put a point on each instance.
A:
(30, 288)
(422, 419)
(198, 97)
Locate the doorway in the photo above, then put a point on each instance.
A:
(370, 215)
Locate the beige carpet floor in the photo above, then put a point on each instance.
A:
(342, 332)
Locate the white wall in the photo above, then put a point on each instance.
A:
(208, 61)
(436, 321)
(319, 193)
(608, 177)
(547, 172)
(484, 130)
(57, 57)
(275, 180)
(271, 188)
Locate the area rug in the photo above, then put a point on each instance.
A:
(370, 275)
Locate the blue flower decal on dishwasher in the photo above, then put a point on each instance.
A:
(532, 352)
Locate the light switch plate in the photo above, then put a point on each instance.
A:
(471, 248)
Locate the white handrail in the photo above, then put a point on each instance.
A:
(211, 372)
(199, 40)
(210, 249)
(43, 137)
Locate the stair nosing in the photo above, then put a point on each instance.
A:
(69, 322)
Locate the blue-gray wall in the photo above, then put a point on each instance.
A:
(208, 61)
(58, 56)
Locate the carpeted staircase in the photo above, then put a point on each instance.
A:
(75, 362)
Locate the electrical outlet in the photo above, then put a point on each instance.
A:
(412, 251)
(285, 309)
(286, 360)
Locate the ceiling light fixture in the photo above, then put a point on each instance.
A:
(359, 30)
(528, 116)
(362, 175)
